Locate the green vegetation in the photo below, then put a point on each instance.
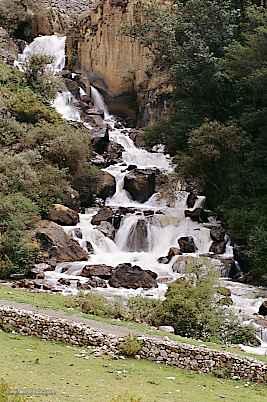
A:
(7, 394)
(215, 53)
(130, 346)
(42, 159)
(73, 374)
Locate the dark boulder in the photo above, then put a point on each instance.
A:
(100, 270)
(217, 234)
(218, 247)
(195, 215)
(173, 251)
(140, 183)
(191, 200)
(187, 244)
(92, 283)
(132, 277)
(263, 309)
(100, 141)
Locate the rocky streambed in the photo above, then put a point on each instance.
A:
(145, 230)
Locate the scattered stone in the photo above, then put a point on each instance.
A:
(78, 233)
(163, 260)
(93, 282)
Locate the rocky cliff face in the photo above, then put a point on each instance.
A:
(116, 64)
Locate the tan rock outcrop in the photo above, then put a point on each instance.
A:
(118, 65)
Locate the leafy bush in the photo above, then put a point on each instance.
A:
(28, 108)
(130, 346)
(17, 251)
(141, 309)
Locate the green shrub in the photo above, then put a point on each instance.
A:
(130, 346)
(26, 107)
(141, 309)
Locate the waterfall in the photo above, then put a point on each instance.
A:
(53, 46)
(141, 239)
(99, 101)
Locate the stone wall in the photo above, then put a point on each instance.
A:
(156, 349)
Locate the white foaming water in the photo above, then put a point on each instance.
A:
(64, 105)
(160, 231)
(53, 46)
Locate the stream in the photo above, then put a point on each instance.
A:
(164, 225)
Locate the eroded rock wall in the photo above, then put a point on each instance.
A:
(118, 65)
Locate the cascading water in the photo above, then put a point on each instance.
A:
(141, 239)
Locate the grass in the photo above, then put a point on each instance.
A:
(72, 374)
(58, 302)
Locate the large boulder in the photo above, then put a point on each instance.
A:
(138, 138)
(57, 245)
(105, 185)
(187, 244)
(63, 215)
(100, 141)
(195, 215)
(104, 214)
(100, 270)
(132, 277)
(140, 183)
(107, 229)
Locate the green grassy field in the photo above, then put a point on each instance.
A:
(72, 374)
(58, 302)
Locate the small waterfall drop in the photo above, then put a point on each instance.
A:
(99, 101)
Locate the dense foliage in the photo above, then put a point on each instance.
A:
(215, 52)
(41, 160)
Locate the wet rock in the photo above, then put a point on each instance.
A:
(131, 167)
(56, 244)
(107, 229)
(25, 284)
(263, 309)
(218, 247)
(163, 260)
(191, 200)
(100, 141)
(173, 251)
(99, 161)
(217, 234)
(195, 215)
(100, 270)
(64, 282)
(140, 184)
(105, 185)
(89, 247)
(132, 277)
(137, 136)
(92, 283)
(138, 237)
(72, 87)
(187, 244)
(104, 214)
(39, 269)
(113, 153)
(78, 233)
(63, 215)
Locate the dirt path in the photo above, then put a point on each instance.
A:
(102, 326)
